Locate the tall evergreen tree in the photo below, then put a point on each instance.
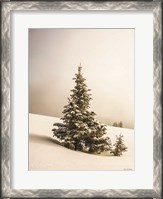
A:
(80, 130)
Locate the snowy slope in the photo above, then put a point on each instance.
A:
(46, 154)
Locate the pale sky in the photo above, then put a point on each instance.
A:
(107, 57)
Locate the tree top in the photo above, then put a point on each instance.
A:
(79, 68)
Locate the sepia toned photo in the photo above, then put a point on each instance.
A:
(81, 99)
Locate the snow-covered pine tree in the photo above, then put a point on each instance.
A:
(80, 130)
(119, 146)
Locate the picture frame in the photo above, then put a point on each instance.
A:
(6, 74)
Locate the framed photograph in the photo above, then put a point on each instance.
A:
(81, 90)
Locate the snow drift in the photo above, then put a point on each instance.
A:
(45, 152)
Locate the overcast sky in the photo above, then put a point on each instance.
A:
(107, 57)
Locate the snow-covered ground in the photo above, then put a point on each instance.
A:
(46, 154)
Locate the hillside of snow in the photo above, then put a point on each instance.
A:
(45, 153)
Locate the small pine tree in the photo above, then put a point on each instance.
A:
(121, 124)
(80, 130)
(119, 146)
(115, 124)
